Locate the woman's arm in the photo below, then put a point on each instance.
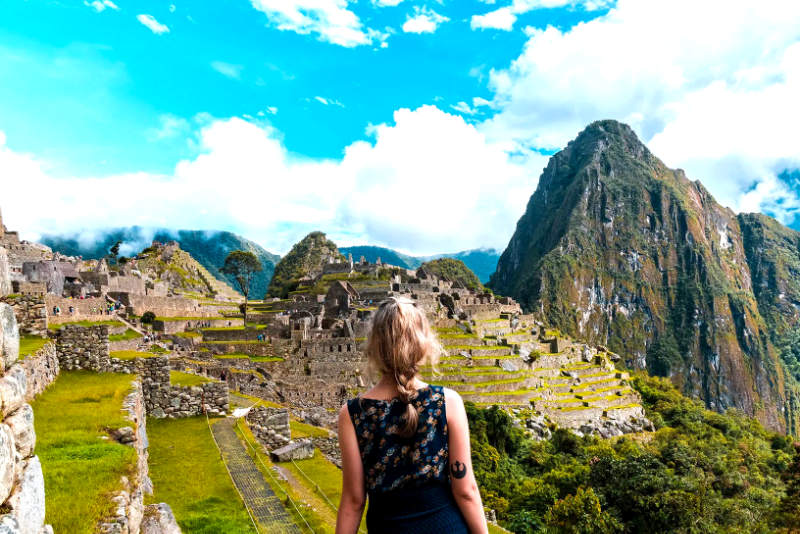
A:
(462, 478)
(354, 496)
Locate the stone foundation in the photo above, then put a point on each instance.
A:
(270, 426)
(30, 312)
(41, 369)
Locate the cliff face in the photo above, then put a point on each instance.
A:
(616, 248)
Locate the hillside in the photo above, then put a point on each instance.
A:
(305, 259)
(480, 261)
(616, 248)
(454, 271)
(208, 248)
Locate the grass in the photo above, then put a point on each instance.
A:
(178, 378)
(128, 335)
(243, 400)
(304, 430)
(187, 473)
(81, 470)
(112, 323)
(30, 345)
(131, 354)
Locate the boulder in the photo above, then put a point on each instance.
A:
(7, 462)
(9, 336)
(27, 502)
(5, 273)
(159, 519)
(301, 449)
(508, 365)
(124, 435)
(21, 425)
(13, 387)
(9, 525)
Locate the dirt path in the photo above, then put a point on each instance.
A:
(258, 496)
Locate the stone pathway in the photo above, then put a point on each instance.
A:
(259, 497)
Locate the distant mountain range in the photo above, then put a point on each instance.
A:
(209, 248)
(480, 261)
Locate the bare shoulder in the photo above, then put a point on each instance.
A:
(454, 404)
(452, 397)
(344, 415)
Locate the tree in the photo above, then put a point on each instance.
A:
(113, 252)
(789, 508)
(242, 265)
(580, 514)
(148, 317)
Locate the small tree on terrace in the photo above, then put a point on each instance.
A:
(242, 265)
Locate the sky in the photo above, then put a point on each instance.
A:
(418, 125)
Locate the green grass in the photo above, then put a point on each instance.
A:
(175, 319)
(30, 345)
(111, 323)
(131, 354)
(128, 335)
(241, 399)
(189, 475)
(178, 378)
(304, 430)
(81, 470)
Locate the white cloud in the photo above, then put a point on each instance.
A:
(328, 101)
(227, 69)
(330, 19)
(463, 107)
(172, 8)
(385, 3)
(169, 126)
(424, 20)
(101, 5)
(505, 17)
(152, 24)
(419, 185)
(713, 92)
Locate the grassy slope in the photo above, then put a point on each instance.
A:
(80, 469)
(205, 502)
(178, 378)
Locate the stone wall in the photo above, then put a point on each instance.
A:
(83, 347)
(130, 500)
(164, 306)
(173, 327)
(31, 313)
(41, 369)
(21, 479)
(88, 309)
(5, 273)
(162, 399)
(270, 426)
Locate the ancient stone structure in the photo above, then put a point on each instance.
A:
(295, 450)
(30, 311)
(270, 426)
(21, 479)
(82, 347)
(5, 272)
(41, 369)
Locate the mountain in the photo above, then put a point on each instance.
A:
(304, 260)
(481, 261)
(209, 248)
(618, 249)
(453, 270)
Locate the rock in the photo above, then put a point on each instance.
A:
(158, 413)
(587, 354)
(507, 365)
(27, 502)
(538, 427)
(614, 357)
(301, 449)
(124, 435)
(465, 354)
(9, 525)
(9, 336)
(5, 274)
(13, 387)
(159, 519)
(21, 425)
(7, 461)
(47, 529)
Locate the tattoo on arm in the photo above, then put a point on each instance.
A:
(458, 470)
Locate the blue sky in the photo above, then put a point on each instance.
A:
(421, 126)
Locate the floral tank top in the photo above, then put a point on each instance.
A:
(392, 461)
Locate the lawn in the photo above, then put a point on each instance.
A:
(178, 378)
(30, 345)
(128, 335)
(189, 475)
(81, 469)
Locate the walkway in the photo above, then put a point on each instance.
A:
(265, 506)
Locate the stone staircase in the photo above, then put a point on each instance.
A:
(501, 361)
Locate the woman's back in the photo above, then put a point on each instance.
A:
(394, 462)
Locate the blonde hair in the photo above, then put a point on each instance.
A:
(400, 340)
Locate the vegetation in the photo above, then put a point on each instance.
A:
(81, 469)
(30, 345)
(128, 335)
(700, 471)
(187, 473)
(178, 378)
(148, 317)
(242, 266)
(306, 255)
(455, 271)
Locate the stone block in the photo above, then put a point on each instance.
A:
(5, 273)
(9, 336)
(13, 387)
(301, 449)
(27, 501)
(21, 425)
(7, 462)
(159, 519)
(9, 525)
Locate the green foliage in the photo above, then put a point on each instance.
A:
(663, 354)
(242, 265)
(148, 317)
(306, 256)
(788, 513)
(125, 336)
(453, 270)
(701, 471)
(179, 378)
(81, 469)
(187, 473)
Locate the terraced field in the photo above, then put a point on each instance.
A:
(496, 361)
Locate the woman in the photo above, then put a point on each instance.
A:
(406, 443)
